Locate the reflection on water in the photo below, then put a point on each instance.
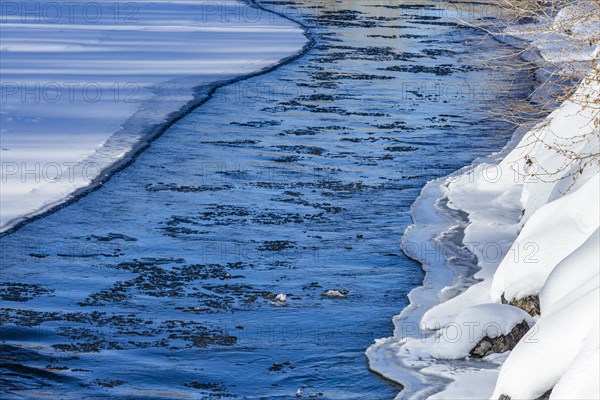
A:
(168, 281)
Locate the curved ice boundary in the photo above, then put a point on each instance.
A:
(492, 234)
(86, 86)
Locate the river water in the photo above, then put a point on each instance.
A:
(164, 283)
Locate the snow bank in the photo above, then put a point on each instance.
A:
(555, 254)
(554, 231)
(533, 223)
(565, 340)
(456, 339)
(84, 82)
(562, 282)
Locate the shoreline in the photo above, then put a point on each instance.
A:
(164, 182)
(445, 277)
(451, 265)
(201, 95)
(446, 221)
(430, 223)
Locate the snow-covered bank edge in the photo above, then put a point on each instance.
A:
(201, 93)
(434, 241)
(537, 236)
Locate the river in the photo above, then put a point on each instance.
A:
(166, 281)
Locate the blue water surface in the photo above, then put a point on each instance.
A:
(164, 283)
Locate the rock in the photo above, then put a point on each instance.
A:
(500, 344)
(280, 366)
(276, 367)
(545, 396)
(529, 304)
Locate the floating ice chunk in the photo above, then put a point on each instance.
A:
(281, 297)
(335, 293)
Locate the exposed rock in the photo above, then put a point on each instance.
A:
(280, 366)
(500, 344)
(529, 304)
(545, 396)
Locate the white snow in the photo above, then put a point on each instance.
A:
(82, 83)
(281, 297)
(554, 231)
(456, 339)
(533, 223)
(562, 282)
(563, 351)
(538, 364)
(335, 293)
(474, 385)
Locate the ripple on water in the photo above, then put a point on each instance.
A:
(167, 281)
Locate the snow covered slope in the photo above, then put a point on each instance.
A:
(83, 82)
